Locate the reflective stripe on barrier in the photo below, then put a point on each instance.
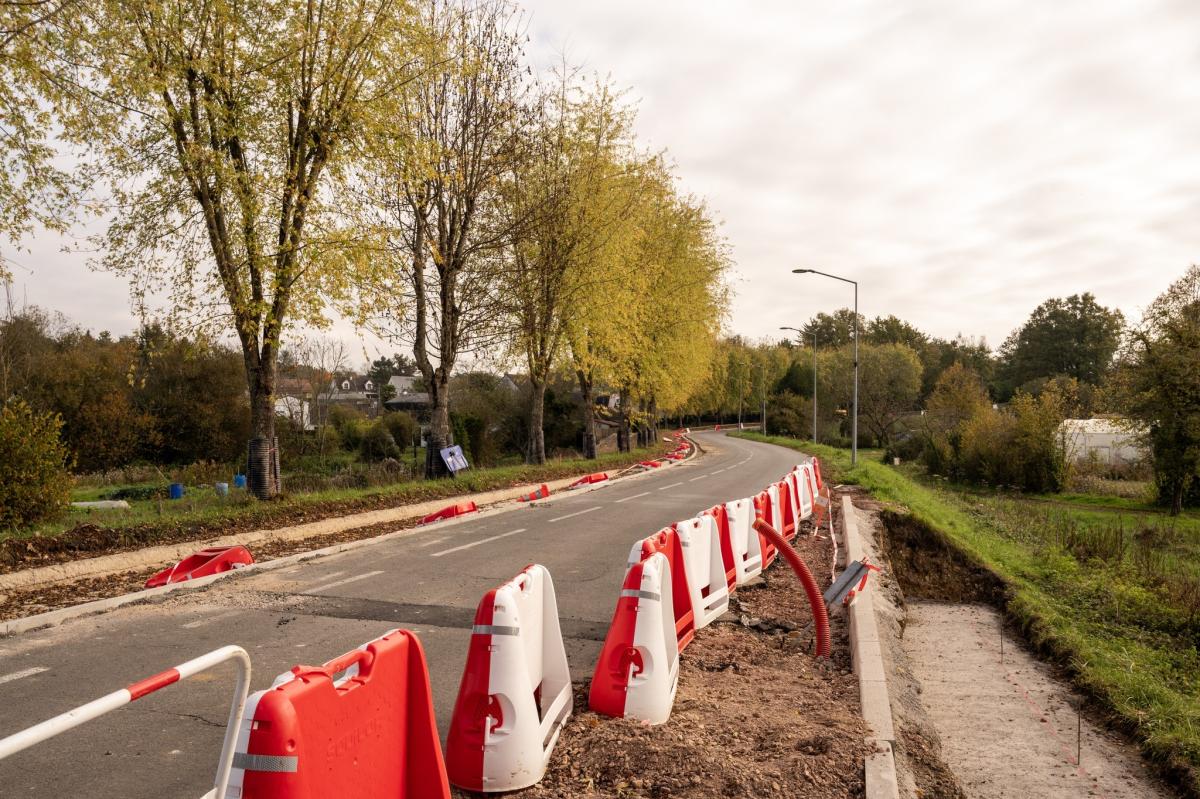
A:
(105, 704)
(515, 693)
(637, 673)
(705, 568)
(667, 542)
(360, 726)
(746, 543)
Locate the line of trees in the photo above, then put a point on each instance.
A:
(265, 161)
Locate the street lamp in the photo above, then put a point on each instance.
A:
(814, 370)
(854, 422)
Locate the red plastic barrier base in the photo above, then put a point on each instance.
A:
(370, 734)
(650, 464)
(204, 563)
(541, 493)
(588, 479)
(450, 511)
(762, 512)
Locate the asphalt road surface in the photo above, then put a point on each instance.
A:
(428, 581)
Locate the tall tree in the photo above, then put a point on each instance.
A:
(32, 189)
(436, 181)
(216, 127)
(834, 330)
(1159, 386)
(1073, 337)
(570, 194)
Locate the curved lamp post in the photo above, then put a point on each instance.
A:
(854, 415)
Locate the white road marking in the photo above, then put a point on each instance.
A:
(344, 581)
(20, 675)
(476, 543)
(718, 471)
(331, 575)
(701, 477)
(635, 496)
(191, 625)
(576, 513)
(434, 541)
(672, 485)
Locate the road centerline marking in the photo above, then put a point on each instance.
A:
(672, 485)
(635, 496)
(343, 581)
(434, 541)
(576, 513)
(701, 477)
(22, 674)
(488, 540)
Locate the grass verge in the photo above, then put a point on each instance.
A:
(86, 534)
(1131, 647)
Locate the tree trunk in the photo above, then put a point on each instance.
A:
(536, 451)
(1177, 497)
(653, 422)
(589, 415)
(262, 463)
(439, 431)
(623, 430)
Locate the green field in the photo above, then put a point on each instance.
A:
(1106, 587)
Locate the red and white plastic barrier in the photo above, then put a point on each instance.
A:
(802, 481)
(790, 517)
(515, 693)
(106, 704)
(450, 512)
(762, 510)
(204, 563)
(746, 543)
(720, 516)
(667, 542)
(360, 726)
(637, 674)
(705, 568)
(589, 479)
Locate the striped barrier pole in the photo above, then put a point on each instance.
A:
(38, 733)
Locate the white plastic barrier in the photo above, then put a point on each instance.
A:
(515, 694)
(131, 693)
(637, 674)
(776, 507)
(747, 546)
(705, 568)
(802, 479)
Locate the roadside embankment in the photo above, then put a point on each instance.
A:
(1124, 647)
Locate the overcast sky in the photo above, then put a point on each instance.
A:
(962, 160)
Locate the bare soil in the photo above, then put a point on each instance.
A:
(756, 714)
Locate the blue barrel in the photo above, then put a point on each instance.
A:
(222, 489)
(176, 490)
(239, 481)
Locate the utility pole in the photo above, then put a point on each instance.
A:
(814, 385)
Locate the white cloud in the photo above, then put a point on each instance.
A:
(963, 161)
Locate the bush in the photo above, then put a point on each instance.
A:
(35, 483)
(377, 443)
(402, 426)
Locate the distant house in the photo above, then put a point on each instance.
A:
(294, 402)
(407, 396)
(352, 391)
(1104, 440)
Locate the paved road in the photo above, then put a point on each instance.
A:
(429, 581)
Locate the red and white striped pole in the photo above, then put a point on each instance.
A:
(106, 704)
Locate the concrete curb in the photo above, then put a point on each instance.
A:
(152, 595)
(867, 656)
(170, 553)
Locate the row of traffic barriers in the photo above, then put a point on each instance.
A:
(363, 724)
(515, 695)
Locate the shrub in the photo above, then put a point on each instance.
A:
(377, 443)
(402, 426)
(35, 483)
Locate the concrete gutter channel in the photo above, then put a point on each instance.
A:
(867, 657)
(163, 555)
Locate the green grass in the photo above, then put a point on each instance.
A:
(201, 508)
(1125, 637)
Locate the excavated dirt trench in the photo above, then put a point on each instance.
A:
(1008, 725)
